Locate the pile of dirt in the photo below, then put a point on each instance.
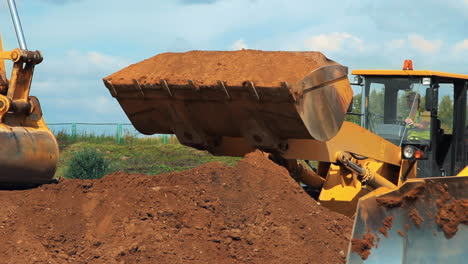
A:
(263, 68)
(251, 213)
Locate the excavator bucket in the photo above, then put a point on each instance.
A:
(28, 153)
(423, 221)
(265, 97)
(28, 149)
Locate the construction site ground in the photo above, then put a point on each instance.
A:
(253, 212)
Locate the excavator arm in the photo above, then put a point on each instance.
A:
(29, 151)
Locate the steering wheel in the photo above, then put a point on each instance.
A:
(404, 129)
(399, 122)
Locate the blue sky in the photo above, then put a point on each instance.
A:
(85, 40)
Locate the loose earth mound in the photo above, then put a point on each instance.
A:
(251, 213)
(264, 68)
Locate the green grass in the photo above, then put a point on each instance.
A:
(137, 155)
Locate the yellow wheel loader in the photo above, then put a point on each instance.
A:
(28, 150)
(390, 172)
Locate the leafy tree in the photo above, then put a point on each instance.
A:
(87, 163)
(376, 107)
(446, 113)
(357, 99)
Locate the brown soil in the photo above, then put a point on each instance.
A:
(363, 246)
(204, 68)
(452, 212)
(415, 217)
(407, 198)
(401, 233)
(251, 213)
(386, 225)
(383, 231)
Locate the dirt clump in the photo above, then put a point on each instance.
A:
(251, 213)
(449, 211)
(386, 225)
(363, 246)
(452, 212)
(415, 217)
(407, 227)
(407, 198)
(401, 233)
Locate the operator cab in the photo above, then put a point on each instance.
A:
(423, 112)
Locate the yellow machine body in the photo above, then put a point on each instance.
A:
(28, 149)
(291, 114)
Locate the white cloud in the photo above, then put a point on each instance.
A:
(73, 81)
(462, 45)
(238, 45)
(397, 43)
(98, 104)
(84, 64)
(98, 59)
(334, 42)
(425, 46)
(106, 105)
(43, 87)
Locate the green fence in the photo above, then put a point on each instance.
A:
(117, 130)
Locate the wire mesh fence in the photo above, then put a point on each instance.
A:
(119, 131)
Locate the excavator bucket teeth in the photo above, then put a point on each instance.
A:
(423, 221)
(264, 97)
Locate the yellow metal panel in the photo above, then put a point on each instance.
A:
(341, 191)
(410, 73)
(464, 172)
(340, 185)
(352, 138)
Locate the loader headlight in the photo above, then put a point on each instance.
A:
(408, 152)
(414, 152)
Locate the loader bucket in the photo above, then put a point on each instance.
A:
(423, 221)
(265, 97)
